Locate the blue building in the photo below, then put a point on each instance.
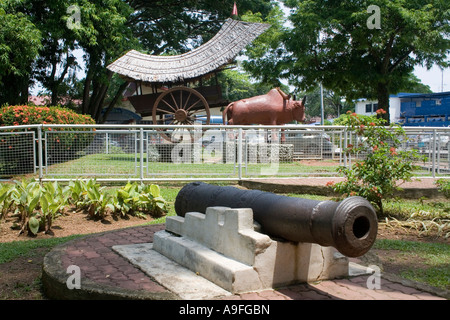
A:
(413, 109)
(425, 110)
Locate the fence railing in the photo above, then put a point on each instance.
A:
(150, 152)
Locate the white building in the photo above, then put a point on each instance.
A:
(368, 107)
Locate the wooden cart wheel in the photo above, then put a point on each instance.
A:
(180, 105)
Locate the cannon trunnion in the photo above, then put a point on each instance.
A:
(350, 226)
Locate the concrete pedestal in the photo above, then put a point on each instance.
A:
(223, 247)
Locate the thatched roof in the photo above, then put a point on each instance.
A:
(233, 37)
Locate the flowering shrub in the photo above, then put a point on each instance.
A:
(23, 115)
(67, 143)
(377, 176)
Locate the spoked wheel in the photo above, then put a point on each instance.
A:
(180, 105)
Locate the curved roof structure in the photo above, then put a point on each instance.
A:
(233, 37)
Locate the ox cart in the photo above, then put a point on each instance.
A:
(178, 96)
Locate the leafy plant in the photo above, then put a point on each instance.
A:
(126, 198)
(377, 175)
(52, 201)
(38, 205)
(26, 197)
(443, 185)
(94, 199)
(75, 191)
(152, 201)
(6, 201)
(139, 199)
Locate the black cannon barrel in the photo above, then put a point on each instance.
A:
(350, 226)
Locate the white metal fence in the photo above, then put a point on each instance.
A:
(148, 152)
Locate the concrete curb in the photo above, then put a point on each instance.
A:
(416, 285)
(320, 190)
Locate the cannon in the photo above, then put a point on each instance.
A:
(350, 225)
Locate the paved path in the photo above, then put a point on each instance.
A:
(107, 275)
(423, 187)
(420, 183)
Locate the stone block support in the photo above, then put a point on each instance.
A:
(223, 247)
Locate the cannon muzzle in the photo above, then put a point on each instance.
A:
(350, 226)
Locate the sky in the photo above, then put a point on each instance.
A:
(435, 78)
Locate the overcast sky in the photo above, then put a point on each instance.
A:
(435, 78)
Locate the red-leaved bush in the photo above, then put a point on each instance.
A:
(24, 115)
(62, 143)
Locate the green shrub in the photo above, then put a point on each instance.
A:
(138, 199)
(444, 186)
(376, 177)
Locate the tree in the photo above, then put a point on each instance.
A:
(180, 25)
(20, 42)
(103, 36)
(414, 85)
(362, 48)
(267, 52)
(105, 31)
(334, 105)
(56, 62)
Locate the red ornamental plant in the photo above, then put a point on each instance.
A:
(23, 115)
(386, 164)
(60, 141)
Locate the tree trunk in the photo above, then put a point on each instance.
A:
(98, 97)
(24, 83)
(56, 82)
(86, 91)
(113, 101)
(383, 101)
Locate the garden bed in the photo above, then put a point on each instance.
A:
(20, 276)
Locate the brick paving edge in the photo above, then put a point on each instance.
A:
(54, 280)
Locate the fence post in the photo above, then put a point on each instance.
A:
(141, 153)
(40, 150)
(239, 153)
(433, 165)
(344, 147)
(107, 143)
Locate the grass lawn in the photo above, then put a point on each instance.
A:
(434, 258)
(128, 165)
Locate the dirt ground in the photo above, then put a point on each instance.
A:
(20, 278)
